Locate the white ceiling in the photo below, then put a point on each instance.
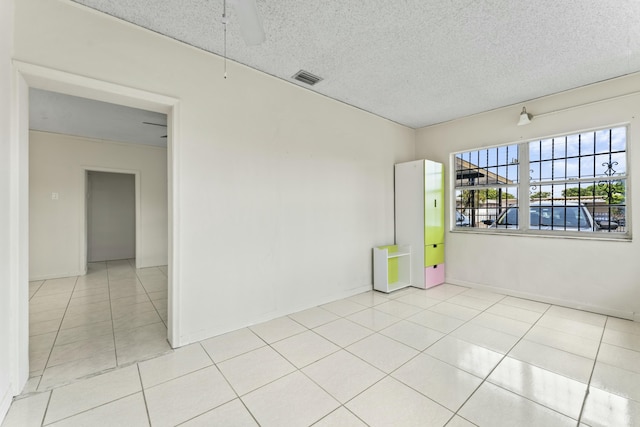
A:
(416, 62)
(58, 113)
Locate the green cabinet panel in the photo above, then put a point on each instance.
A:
(433, 254)
(392, 264)
(433, 203)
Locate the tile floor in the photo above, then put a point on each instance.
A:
(446, 356)
(113, 316)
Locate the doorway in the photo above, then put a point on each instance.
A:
(30, 76)
(111, 216)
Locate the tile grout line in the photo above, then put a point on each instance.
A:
(593, 368)
(388, 374)
(57, 332)
(113, 329)
(147, 293)
(46, 409)
(144, 395)
(499, 362)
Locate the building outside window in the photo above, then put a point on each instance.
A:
(571, 184)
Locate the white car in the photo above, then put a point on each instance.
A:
(569, 216)
(461, 220)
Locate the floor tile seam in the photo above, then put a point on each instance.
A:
(93, 355)
(331, 395)
(496, 329)
(54, 294)
(144, 395)
(351, 343)
(228, 383)
(593, 368)
(113, 329)
(84, 324)
(603, 342)
(338, 408)
(46, 408)
(310, 363)
(378, 330)
(93, 334)
(57, 334)
(316, 326)
(549, 370)
(364, 307)
(561, 349)
(523, 308)
(181, 423)
(237, 355)
(453, 412)
(377, 368)
(36, 291)
(626, 332)
(92, 408)
(130, 328)
(601, 332)
(530, 400)
(260, 386)
(384, 376)
(176, 377)
(410, 346)
(504, 356)
(280, 339)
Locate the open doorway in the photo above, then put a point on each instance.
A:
(37, 77)
(111, 216)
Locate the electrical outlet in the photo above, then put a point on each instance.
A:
(54, 196)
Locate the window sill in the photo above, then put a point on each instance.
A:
(596, 235)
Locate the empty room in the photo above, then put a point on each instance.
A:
(350, 213)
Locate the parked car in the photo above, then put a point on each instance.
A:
(604, 222)
(461, 220)
(570, 216)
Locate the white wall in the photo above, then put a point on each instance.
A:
(592, 274)
(57, 227)
(7, 335)
(280, 193)
(111, 216)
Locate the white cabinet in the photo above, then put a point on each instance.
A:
(391, 267)
(419, 207)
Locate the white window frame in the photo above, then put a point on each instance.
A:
(524, 186)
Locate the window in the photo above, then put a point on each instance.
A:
(569, 184)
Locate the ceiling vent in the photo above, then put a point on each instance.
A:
(306, 77)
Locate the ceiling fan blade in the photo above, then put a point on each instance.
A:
(250, 21)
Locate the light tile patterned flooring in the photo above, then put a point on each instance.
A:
(112, 316)
(446, 356)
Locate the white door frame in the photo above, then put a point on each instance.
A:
(27, 76)
(84, 244)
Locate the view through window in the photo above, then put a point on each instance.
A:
(567, 184)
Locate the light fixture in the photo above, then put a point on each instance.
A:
(525, 118)
(250, 24)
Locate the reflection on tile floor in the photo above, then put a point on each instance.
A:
(447, 356)
(113, 316)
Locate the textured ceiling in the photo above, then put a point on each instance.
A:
(58, 113)
(416, 62)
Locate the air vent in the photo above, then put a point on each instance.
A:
(306, 77)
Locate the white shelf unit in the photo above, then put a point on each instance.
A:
(391, 267)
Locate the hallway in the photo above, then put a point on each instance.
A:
(113, 316)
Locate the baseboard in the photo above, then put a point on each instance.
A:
(607, 311)
(5, 403)
(57, 275)
(208, 333)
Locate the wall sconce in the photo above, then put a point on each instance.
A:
(525, 118)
